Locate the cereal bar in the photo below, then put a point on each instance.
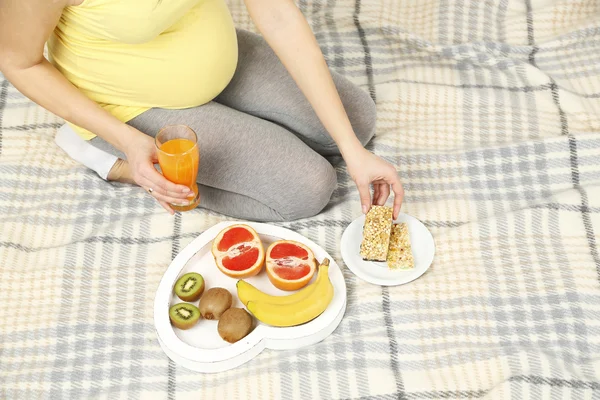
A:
(376, 234)
(400, 253)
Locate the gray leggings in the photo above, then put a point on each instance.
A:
(261, 143)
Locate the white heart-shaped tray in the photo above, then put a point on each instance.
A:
(201, 348)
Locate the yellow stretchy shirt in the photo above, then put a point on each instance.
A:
(132, 55)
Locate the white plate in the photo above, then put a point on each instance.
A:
(201, 348)
(377, 273)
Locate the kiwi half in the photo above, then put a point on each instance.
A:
(189, 287)
(184, 315)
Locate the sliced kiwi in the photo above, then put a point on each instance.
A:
(234, 324)
(184, 315)
(215, 302)
(189, 287)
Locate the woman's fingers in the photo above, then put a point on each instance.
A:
(375, 193)
(166, 207)
(169, 200)
(394, 182)
(156, 188)
(365, 196)
(165, 201)
(381, 192)
(398, 197)
(390, 180)
(162, 185)
(384, 193)
(165, 197)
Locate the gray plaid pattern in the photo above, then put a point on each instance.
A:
(490, 110)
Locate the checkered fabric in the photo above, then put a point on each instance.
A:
(491, 112)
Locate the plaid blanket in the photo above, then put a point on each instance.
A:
(491, 112)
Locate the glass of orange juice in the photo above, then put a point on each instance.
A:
(178, 157)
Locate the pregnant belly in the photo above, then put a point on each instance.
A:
(185, 66)
(172, 82)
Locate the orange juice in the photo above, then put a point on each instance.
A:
(178, 159)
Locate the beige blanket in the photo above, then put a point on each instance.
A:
(491, 112)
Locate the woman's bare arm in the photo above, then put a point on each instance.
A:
(287, 32)
(285, 29)
(25, 26)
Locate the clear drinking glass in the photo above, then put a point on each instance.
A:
(178, 157)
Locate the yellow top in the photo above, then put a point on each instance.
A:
(132, 55)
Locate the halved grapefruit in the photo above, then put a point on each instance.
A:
(238, 251)
(290, 265)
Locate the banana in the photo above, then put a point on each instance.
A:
(299, 312)
(247, 292)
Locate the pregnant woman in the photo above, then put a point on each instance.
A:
(266, 111)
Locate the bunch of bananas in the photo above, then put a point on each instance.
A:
(294, 309)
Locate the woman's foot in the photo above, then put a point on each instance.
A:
(120, 172)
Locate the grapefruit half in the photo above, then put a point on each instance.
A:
(290, 265)
(238, 251)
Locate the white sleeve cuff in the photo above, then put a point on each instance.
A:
(82, 151)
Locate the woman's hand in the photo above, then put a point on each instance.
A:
(141, 156)
(366, 168)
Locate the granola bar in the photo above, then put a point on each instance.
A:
(376, 234)
(400, 253)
